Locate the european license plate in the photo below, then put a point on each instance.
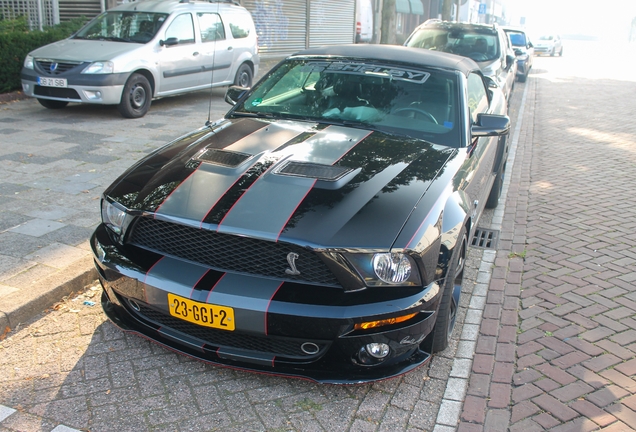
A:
(203, 314)
(52, 82)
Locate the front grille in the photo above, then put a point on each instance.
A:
(232, 253)
(62, 93)
(287, 347)
(45, 66)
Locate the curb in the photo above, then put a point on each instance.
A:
(22, 306)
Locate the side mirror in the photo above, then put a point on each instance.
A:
(169, 42)
(530, 45)
(490, 82)
(490, 125)
(510, 59)
(234, 94)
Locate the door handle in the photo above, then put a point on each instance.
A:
(196, 53)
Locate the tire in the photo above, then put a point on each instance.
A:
(52, 104)
(136, 97)
(552, 53)
(561, 52)
(243, 76)
(449, 305)
(497, 186)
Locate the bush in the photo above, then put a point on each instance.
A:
(16, 41)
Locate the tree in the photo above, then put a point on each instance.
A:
(447, 8)
(388, 22)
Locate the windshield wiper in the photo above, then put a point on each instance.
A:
(253, 115)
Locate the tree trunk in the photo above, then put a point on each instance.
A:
(388, 22)
(447, 8)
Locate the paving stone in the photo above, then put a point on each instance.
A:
(37, 227)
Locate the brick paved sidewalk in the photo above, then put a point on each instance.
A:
(556, 348)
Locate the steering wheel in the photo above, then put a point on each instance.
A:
(425, 114)
(477, 56)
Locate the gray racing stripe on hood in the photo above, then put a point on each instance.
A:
(194, 198)
(326, 148)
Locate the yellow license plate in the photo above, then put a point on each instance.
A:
(203, 314)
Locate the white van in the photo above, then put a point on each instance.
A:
(364, 21)
(142, 50)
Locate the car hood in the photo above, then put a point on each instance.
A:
(79, 50)
(310, 184)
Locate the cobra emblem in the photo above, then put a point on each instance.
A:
(291, 259)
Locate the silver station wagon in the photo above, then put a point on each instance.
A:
(142, 50)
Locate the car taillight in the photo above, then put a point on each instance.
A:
(358, 28)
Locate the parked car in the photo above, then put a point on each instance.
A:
(549, 44)
(142, 50)
(488, 45)
(320, 229)
(524, 50)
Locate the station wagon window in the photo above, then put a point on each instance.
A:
(477, 96)
(182, 28)
(211, 27)
(239, 30)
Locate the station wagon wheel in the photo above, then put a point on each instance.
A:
(449, 305)
(413, 113)
(136, 97)
(52, 104)
(243, 76)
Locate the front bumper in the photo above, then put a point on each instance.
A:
(543, 50)
(103, 89)
(134, 300)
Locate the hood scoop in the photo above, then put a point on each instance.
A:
(224, 158)
(327, 176)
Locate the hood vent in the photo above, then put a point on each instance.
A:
(313, 170)
(223, 157)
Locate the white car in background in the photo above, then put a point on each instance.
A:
(142, 50)
(548, 44)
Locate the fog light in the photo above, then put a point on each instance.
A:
(93, 95)
(377, 350)
(25, 87)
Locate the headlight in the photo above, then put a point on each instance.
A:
(385, 268)
(113, 217)
(392, 268)
(105, 67)
(28, 62)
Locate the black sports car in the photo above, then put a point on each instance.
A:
(319, 230)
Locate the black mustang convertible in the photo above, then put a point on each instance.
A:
(320, 229)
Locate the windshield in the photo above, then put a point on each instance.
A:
(136, 27)
(475, 44)
(546, 38)
(401, 100)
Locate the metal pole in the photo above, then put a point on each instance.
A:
(458, 5)
(40, 12)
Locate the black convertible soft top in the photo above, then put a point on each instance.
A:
(396, 54)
